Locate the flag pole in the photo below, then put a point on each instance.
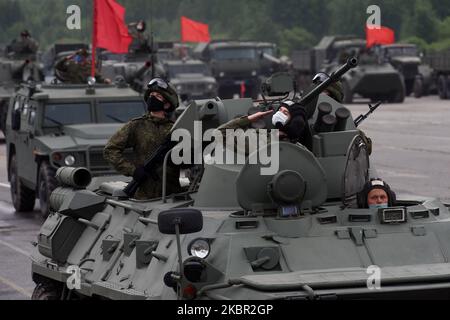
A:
(94, 37)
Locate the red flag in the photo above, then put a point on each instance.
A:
(110, 30)
(383, 35)
(193, 31)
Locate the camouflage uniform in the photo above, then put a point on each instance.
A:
(24, 46)
(71, 72)
(143, 135)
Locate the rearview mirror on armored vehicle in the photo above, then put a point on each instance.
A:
(187, 220)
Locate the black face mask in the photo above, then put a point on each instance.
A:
(154, 104)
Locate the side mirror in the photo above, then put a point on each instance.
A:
(188, 221)
(15, 120)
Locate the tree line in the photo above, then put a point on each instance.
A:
(293, 24)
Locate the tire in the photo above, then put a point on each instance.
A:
(46, 291)
(46, 184)
(418, 88)
(399, 96)
(443, 87)
(22, 197)
(348, 94)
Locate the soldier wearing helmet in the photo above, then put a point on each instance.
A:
(144, 135)
(25, 44)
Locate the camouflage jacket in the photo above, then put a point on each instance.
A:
(71, 72)
(143, 135)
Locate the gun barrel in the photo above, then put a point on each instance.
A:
(335, 76)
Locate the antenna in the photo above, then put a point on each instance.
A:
(152, 42)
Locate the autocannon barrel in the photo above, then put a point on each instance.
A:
(335, 76)
(78, 178)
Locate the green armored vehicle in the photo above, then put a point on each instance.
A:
(374, 78)
(240, 67)
(14, 69)
(136, 68)
(242, 232)
(192, 79)
(49, 126)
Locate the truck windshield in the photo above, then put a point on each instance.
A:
(67, 113)
(174, 70)
(403, 51)
(119, 112)
(235, 53)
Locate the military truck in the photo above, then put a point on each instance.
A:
(49, 126)
(240, 67)
(407, 60)
(15, 69)
(374, 78)
(239, 233)
(192, 79)
(439, 80)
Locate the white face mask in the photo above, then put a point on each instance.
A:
(279, 117)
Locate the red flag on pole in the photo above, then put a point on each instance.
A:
(109, 29)
(382, 35)
(193, 31)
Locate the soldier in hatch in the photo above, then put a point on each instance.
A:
(76, 68)
(144, 135)
(140, 43)
(25, 44)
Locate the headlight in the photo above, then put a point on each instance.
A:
(210, 86)
(222, 74)
(69, 160)
(199, 248)
(179, 87)
(254, 73)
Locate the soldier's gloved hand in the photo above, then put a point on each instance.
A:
(140, 174)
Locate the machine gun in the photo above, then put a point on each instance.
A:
(155, 159)
(335, 76)
(363, 117)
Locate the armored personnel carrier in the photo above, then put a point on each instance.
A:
(49, 126)
(239, 232)
(136, 68)
(192, 79)
(374, 78)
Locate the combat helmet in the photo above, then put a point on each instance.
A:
(166, 89)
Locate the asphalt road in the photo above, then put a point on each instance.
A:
(411, 151)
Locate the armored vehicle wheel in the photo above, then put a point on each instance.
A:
(22, 197)
(418, 88)
(348, 94)
(47, 183)
(443, 87)
(46, 291)
(398, 97)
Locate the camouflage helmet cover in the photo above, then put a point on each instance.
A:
(166, 89)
